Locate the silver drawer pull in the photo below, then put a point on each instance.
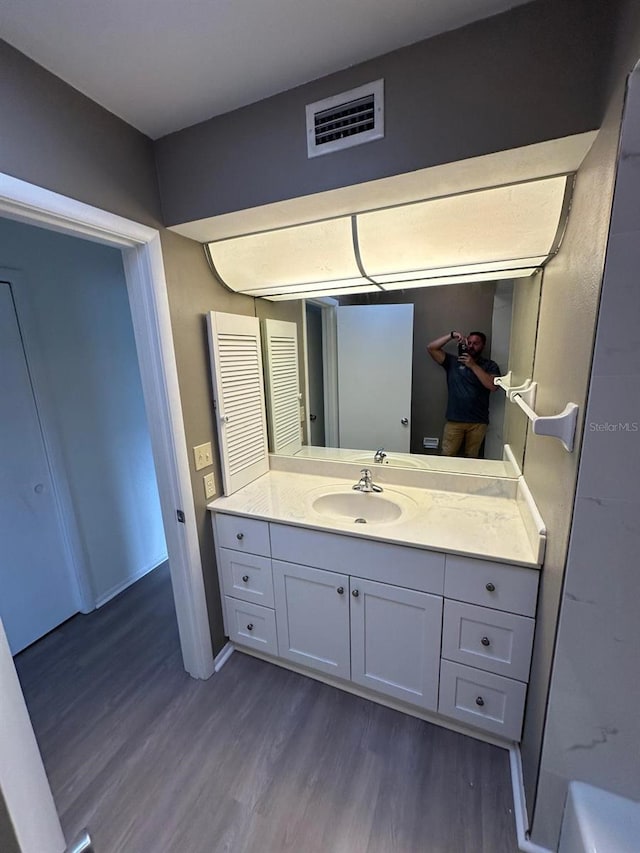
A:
(480, 701)
(245, 578)
(250, 626)
(239, 536)
(490, 587)
(485, 641)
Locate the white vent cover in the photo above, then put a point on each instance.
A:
(344, 120)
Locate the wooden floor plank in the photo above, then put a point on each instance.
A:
(255, 760)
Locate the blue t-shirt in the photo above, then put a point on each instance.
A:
(468, 398)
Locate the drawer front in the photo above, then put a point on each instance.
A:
(376, 561)
(252, 625)
(488, 639)
(495, 585)
(249, 535)
(481, 699)
(247, 576)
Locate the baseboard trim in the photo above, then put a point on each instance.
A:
(223, 656)
(520, 804)
(118, 588)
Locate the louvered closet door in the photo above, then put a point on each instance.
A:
(280, 343)
(236, 370)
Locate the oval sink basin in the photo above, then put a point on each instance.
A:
(346, 505)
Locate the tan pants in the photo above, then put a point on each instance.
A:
(460, 439)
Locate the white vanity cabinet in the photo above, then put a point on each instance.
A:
(487, 638)
(312, 616)
(395, 641)
(444, 633)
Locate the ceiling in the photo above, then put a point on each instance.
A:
(162, 65)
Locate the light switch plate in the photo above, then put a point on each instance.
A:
(203, 456)
(209, 485)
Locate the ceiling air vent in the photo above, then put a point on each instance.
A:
(345, 120)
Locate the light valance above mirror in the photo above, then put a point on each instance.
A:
(493, 233)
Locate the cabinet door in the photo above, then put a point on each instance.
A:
(395, 641)
(312, 615)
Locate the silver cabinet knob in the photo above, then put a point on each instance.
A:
(340, 590)
(250, 626)
(239, 536)
(485, 641)
(38, 488)
(480, 701)
(245, 578)
(405, 421)
(355, 593)
(490, 587)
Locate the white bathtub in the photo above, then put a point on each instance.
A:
(596, 821)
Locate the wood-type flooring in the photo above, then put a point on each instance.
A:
(255, 760)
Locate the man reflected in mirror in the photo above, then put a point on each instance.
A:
(469, 384)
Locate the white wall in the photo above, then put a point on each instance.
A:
(79, 311)
(593, 723)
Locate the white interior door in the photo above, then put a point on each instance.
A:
(375, 352)
(36, 590)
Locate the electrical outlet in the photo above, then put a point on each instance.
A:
(209, 485)
(203, 456)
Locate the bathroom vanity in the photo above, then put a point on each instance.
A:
(425, 600)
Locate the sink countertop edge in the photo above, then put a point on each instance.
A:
(277, 497)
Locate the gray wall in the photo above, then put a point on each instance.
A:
(568, 312)
(530, 74)
(56, 138)
(593, 725)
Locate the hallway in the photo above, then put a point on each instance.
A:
(255, 760)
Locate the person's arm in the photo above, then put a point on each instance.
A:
(435, 347)
(482, 375)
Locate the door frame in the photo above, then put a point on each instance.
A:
(328, 307)
(147, 290)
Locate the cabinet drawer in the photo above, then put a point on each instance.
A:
(495, 585)
(376, 561)
(488, 639)
(249, 535)
(482, 699)
(247, 576)
(252, 625)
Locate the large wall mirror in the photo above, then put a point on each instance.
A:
(368, 382)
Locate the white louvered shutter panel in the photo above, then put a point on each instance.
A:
(238, 391)
(280, 343)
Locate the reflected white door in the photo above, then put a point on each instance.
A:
(375, 352)
(36, 592)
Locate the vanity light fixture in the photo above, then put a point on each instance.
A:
(494, 233)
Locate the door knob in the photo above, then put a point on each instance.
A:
(405, 421)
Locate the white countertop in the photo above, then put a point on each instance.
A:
(474, 525)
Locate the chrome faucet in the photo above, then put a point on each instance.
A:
(365, 484)
(380, 455)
